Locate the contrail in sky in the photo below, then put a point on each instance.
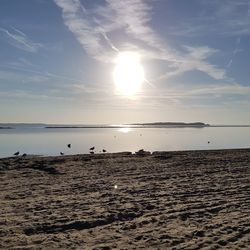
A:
(48, 74)
(110, 43)
(238, 40)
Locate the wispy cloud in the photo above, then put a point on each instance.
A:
(91, 27)
(82, 25)
(27, 68)
(19, 39)
(222, 89)
(94, 29)
(217, 95)
(134, 16)
(9, 76)
(195, 58)
(230, 18)
(25, 94)
(235, 51)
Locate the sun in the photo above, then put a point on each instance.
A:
(128, 73)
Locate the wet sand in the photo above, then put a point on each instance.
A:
(165, 200)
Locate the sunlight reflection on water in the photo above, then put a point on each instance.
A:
(125, 130)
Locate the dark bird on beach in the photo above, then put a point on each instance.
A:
(104, 150)
(61, 153)
(24, 154)
(93, 148)
(92, 152)
(69, 145)
(208, 142)
(17, 153)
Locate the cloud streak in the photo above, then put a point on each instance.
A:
(93, 28)
(81, 24)
(218, 95)
(230, 18)
(134, 16)
(20, 40)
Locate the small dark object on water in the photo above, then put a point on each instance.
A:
(92, 152)
(17, 153)
(104, 150)
(69, 145)
(24, 154)
(61, 153)
(93, 148)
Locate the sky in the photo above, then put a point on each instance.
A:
(57, 59)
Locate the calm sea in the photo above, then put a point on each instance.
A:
(42, 141)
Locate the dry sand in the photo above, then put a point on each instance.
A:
(171, 200)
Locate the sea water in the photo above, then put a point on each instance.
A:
(39, 140)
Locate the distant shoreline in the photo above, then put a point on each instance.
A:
(141, 125)
(7, 126)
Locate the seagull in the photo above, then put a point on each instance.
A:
(17, 153)
(24, 154)
(104, 150)
(61, 153)
(69, 145)
(93, 148)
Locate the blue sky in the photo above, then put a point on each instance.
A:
(57, 59)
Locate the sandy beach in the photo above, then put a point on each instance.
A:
(165, 200)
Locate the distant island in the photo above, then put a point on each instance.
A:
(181, 124)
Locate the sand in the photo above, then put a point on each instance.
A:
(168, 200)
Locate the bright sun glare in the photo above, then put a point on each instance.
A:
(128, 73)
